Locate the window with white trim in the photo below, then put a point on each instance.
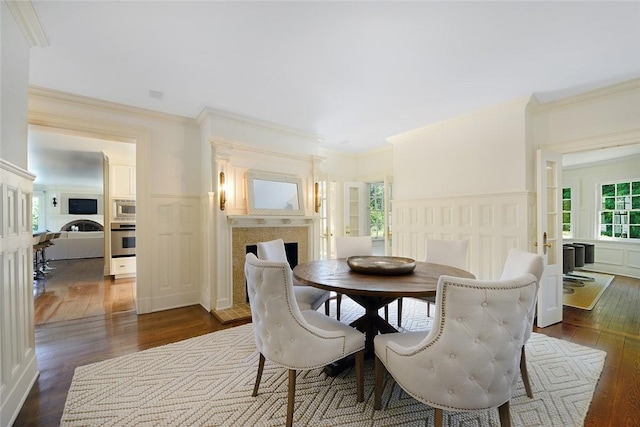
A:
(620, 210)
(566, 213)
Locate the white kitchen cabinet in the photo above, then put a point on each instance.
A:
(123, 267)
(122, 181)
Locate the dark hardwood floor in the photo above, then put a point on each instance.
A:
(613, 325)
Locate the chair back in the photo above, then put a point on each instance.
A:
(470, 359)
(273, 250)
(447, 252)
(519, 262)
(347, 246)
(281, 332)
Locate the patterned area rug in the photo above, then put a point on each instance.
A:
(208, 381)
(587, 294)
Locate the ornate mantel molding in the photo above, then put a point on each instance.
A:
(269, 221)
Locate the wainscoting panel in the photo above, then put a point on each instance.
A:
(176, 250)
(18, 368)
(493, 224)
(634, 258)
(614, 257)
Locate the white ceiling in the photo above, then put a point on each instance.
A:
(353, 72)
(72, 161)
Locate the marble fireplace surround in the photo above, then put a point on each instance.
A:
(243, 236)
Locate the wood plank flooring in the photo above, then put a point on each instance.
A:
(613, 325)
(77, 288)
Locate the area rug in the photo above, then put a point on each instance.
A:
(586, 297)
(208, 381)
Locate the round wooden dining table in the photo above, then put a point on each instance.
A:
(371, 291)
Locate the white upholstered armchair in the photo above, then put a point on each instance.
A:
(519, 262)
(294, 339)
(470, 359)
(446, 252)
(308, 297)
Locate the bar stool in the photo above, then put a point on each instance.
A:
(568, 265)
(589, 252)
(579, 253)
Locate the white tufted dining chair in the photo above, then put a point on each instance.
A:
(470, 359)
(446, 252)
(519, 262)
(347, 246)
(294, 339)
(308, 297)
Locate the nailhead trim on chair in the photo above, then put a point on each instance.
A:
(435, 339)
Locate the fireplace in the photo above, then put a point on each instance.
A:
(290, 250)
(246, 238)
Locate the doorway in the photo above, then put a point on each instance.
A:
(71, 165)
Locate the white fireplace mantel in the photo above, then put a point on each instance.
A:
(270, 221)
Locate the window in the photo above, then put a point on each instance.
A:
(566, 213)
(37, 212)
(620, 210)
(376, 209)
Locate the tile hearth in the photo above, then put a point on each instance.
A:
(240, 311)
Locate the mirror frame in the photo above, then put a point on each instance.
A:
(252, 209)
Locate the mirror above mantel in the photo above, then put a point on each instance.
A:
(272, 194)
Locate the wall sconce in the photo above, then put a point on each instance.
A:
(55, 202)
(317, 196)
(223, 191)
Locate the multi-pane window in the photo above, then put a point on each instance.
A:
(620, 210)
(566, 212)
(376, 209)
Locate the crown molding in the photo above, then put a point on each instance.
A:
(628, 86)
(27, 19)
(224, 147)
(98, 104)
(225, 115)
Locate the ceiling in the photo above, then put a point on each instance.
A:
(354, 73)
(72, 161)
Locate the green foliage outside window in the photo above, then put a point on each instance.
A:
(620, 210)
(376, 209)
(566, 212)
(35, 214)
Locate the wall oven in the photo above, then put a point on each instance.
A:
(124, 209)
(123, 239)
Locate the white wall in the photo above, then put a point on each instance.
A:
(14, 81)
(466, 178)
(604, 117)
(18, 368)
(464, 155)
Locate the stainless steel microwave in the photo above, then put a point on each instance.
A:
(124, 209)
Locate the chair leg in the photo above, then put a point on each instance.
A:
(399, 312)
(291, 396)
(386, 312)
(259, 376)
(428, 309)
(338, 301)
(437, 421)
(379, 370)
(326, 307)
(505, 414)
(360, 375)
(525, 374)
